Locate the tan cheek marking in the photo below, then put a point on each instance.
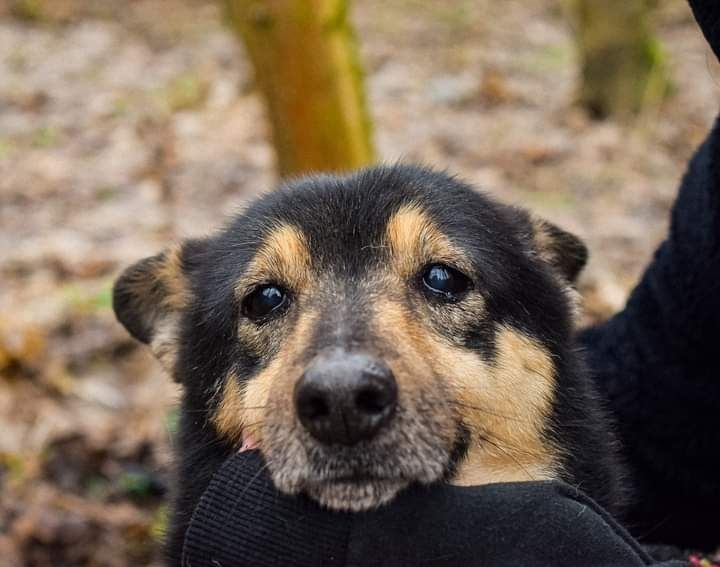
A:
(244, 408)
(228, 415)
(514, 396)
(408, 341)
(414, 240)
(507, 402)
(410, 359)
(283, 257)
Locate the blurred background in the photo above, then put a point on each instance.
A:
(125, 126)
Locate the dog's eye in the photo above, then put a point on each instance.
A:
(446, 282)
(265, 300)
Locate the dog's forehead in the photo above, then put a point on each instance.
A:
(350, 218)
(345, 214)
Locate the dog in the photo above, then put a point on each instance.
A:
(370, 331)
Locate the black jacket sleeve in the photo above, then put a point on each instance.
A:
(242, 520)
(657, 360)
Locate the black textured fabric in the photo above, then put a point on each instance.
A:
(242, 520)
(655, 362)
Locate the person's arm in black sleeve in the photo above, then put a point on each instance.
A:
(243, 520)
(657, 361)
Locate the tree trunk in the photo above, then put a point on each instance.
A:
(307, 67)
(622, 64)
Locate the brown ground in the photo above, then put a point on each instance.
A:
(125, 125)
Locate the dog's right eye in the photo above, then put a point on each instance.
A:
(445, 282)
(264, 301)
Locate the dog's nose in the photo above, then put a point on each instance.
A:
(343, 398)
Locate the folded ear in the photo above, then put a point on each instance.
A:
(148, 299)
(565, 252)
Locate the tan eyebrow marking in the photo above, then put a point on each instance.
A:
(414, 239)
(283, 257)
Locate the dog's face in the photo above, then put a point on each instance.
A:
(367, 332)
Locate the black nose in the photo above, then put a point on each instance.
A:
(345, 397)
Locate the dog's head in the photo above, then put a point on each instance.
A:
(367, 332)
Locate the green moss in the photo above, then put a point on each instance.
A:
(106, 193)
(185, 92)
(13, 466)
(550, 58)
(658, 81)
(80, 300)
(623, 64)
(7, 148)
(158, 528)
(29, 10)
(136, 484)
(550, 200)
(172, 421)
(46, 137)
(338, 21)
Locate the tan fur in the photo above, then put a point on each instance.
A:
(284, 257)
(409, 354)
(169, 273)
(244, 409)
(228, 417)
(546, 248)
(504, 404)
(164, 344)
(514, 395)
(415, 240)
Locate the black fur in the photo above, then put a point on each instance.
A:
(345, 217)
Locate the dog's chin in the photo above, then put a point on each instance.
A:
(362, 476)
(355, 495)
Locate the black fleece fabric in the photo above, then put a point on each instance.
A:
(242, 520)
(657, 364)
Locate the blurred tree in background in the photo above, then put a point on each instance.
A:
(622, 63)
(306, 64)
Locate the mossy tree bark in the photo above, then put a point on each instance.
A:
(306, 64)
(623, 66)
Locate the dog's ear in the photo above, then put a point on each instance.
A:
(148, 299)
(565, 252)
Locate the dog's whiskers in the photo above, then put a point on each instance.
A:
(517, 419)
(486, 439)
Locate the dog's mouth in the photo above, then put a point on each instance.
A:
(355, 493)
(367, 483)
(368, 475)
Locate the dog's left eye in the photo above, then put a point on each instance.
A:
(265, 300)
(446, 282)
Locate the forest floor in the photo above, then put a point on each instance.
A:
(127, 125)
